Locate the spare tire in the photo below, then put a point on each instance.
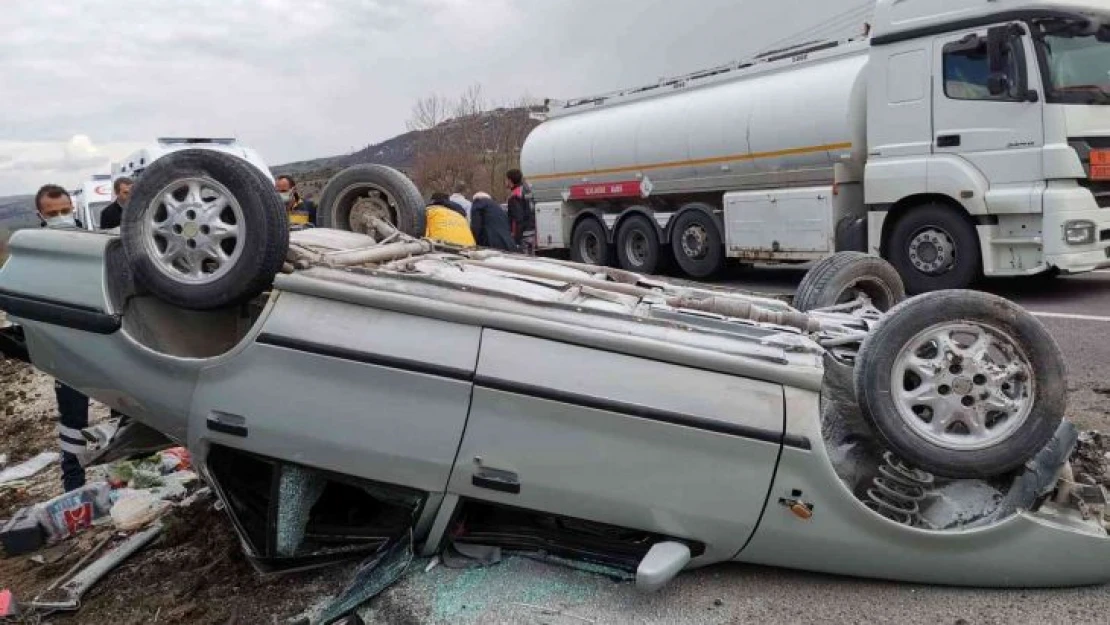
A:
(963, 384)
(204, 230)
(357, 193)
(842, 277)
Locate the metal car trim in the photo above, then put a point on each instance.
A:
(643, 412)
(75, 316)
(381, 360)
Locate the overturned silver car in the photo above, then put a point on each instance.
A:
(341, 389)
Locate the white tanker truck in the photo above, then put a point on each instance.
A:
(965, 137)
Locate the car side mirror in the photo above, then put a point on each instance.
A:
(1103, 34)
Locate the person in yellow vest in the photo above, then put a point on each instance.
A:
(446, 225)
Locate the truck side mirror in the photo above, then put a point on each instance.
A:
(999, 83)
(997, 44)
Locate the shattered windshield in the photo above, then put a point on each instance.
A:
(1077, 58)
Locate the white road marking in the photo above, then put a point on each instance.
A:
(1048, 315)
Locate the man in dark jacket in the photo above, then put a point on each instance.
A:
(522, 213)
(490, 224)
(112, 214)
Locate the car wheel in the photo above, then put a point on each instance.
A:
(964, 384)
(698, 246)
(589, 244)
(843, 277)
(357, 194)
(934, 247)
(638, 245)
(204, 230)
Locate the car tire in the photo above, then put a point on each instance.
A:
(999, 397)
(839, 278)
(204, 230)
(589, 244)
(935, 247)
(697, 243)
(638, 248)
(389, 194)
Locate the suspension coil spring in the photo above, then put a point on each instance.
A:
(898, 490)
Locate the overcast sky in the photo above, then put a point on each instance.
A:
(85, 81)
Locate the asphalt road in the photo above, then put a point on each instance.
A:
(1077, 312)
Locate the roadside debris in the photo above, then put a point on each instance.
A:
(22, 534)
(68, 514)
(373, 576)
(27, 469)
(7, 604)
(68, 595)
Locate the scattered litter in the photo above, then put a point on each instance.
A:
(431, 565)
(3, 461)
(7, 604)
(28, 468)
(22, 534)
(553, 612)
(68, 595)
(138, 510)
(373, 576)
(53, 555)
(74, 511)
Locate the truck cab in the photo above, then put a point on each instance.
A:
(999, 111)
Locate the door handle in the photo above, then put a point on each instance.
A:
(948, 141)
(496, 480)
(230, 424)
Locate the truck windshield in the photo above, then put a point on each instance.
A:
(1077, 58)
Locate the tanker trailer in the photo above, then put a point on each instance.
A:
(963, 138)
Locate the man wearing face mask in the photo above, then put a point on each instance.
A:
(112, 214)
(302, 213)
(55, 208)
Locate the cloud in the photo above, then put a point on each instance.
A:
(299, 79)
(27, 165)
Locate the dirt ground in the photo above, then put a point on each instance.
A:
(196, 572)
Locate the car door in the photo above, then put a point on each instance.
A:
(616, 439)
(1002, 135)
(359, 391)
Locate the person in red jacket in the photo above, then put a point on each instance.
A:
(522, 212)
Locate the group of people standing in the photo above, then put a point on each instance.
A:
(481, 221)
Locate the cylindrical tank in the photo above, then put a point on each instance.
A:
(764, 127)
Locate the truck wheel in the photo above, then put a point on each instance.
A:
(356, 194)
(935, 247)
(697, 243)
(638, 245)
(204, 230)
(842, 277)
(589, 245)
(963, 384)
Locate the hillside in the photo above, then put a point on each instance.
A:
(476, 148)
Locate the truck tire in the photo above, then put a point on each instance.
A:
(638, 247)
(589, 244)
(357, 193)
(935, 247)
(204, 230)
(842, 277)
(698, 246)
(963, 384)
